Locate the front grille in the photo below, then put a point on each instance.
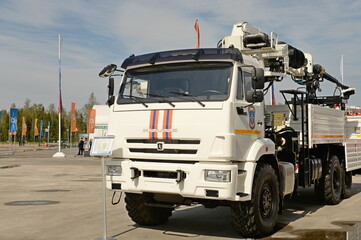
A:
(167, 141)
(170, 146)
(162, 161)
(165, 151)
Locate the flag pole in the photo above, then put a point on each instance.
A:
(59, 153)
(341, 68)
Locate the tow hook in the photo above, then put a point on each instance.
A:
(181, 175)
(134, 173)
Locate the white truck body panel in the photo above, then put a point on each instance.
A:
(353, 142)
(326, 125)
(193, 186)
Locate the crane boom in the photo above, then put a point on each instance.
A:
(278, 59)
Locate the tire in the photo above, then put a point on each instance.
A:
(347, 184)
(328, 189)
(139, 212)
(258, 217)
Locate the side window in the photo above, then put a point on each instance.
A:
(240, 92)
(247, 78)
(244, 84)
(136, 87)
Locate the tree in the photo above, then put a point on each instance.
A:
(27, 103)
(4, 126)
(83, 116)
(89, 105)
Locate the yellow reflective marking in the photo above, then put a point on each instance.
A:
(241, 131)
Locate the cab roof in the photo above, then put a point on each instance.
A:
(184, 54)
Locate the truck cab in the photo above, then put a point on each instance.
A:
(183, 121)
(189, 127)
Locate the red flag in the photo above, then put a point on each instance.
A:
(73, 118)
(196, 27)
(91, 120)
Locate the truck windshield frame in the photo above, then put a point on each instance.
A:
(204, 81)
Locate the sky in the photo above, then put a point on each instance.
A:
(97, 33)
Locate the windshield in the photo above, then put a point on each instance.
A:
(177, 82)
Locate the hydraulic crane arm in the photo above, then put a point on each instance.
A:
(279, 59)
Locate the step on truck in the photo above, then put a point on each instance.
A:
(192, 127)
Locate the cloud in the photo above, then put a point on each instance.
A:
(97, 33)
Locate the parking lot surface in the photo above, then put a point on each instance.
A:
(61, 198)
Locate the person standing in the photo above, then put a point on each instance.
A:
(90, 144)
(81, 147)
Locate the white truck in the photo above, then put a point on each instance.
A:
(192, 127)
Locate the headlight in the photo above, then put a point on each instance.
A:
(114, 170)
(217, 176)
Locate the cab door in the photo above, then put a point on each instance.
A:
(248, 118)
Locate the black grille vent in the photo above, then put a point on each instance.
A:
(165, 151)
(166, 141)
(159, 174)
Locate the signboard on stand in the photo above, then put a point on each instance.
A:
(102, 146)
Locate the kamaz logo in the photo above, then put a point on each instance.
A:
(160, 130)
(160, 146)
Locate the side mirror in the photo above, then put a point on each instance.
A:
(254, 96)
(111, 97)
(258, 78)
(108, 70)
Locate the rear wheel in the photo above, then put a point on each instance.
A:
(258, 217)
(141, 212)
(328, 189)
(347, 184)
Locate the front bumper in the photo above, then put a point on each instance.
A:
(184, 179)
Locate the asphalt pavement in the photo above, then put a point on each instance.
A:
(42, 197)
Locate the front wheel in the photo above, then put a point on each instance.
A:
(258, 217)
(140, 211)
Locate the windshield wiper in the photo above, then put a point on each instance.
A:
(162, 97)
(185, 94)
(137, 99)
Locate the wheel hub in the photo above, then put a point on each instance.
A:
(266, 202)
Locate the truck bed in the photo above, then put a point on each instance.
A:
(326, 126)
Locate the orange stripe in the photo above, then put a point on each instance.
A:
(327, 136)
(241, 131)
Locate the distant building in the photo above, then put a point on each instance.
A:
(101, 121)
(353, 110)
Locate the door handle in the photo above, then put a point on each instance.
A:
(240, 111)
